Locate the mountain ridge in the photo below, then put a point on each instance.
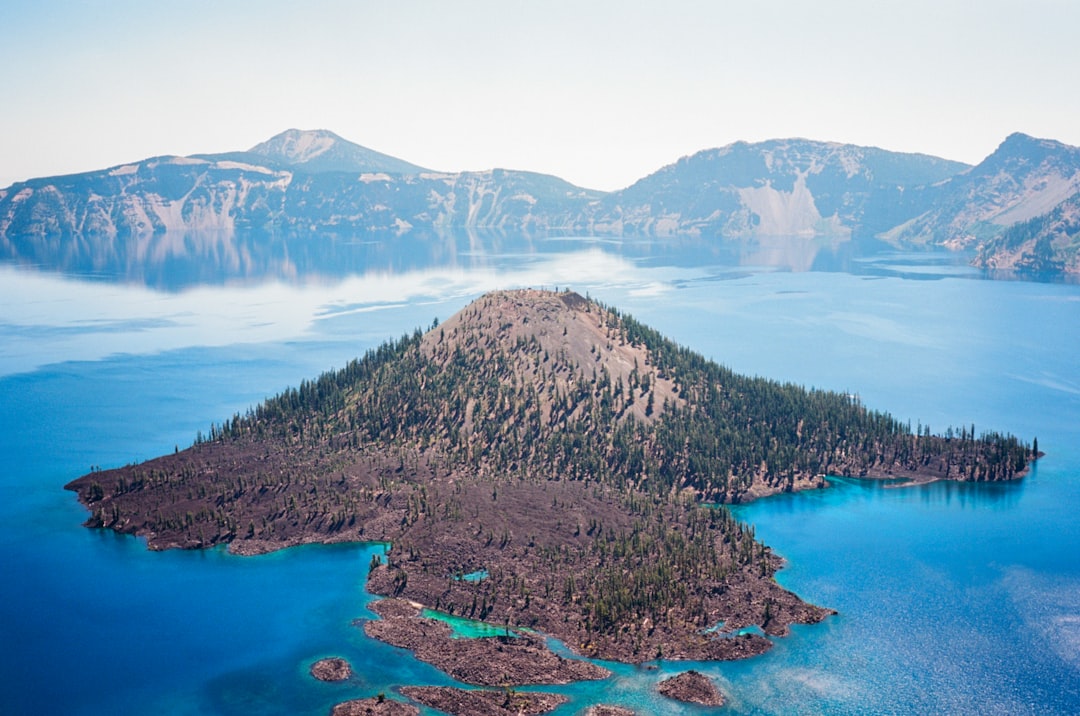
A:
(776, 187)
(311, 182)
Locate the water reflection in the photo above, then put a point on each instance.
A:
(175, 261)
(252, 288)
(946, 494)
(942, 493)
(998, 496)
(92, 320)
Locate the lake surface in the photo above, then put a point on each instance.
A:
(952, 598)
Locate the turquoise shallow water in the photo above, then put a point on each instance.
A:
(951, 598)
(465, 628)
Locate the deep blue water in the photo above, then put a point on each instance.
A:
(951, 598)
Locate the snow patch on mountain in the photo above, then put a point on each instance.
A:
(185, 161)
(439, 176)
(124, 170)
(242, 166)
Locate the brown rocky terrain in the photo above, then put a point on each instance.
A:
(374, 707)
(517, 659)
(331, 669)
(462, 702)
(692, 687)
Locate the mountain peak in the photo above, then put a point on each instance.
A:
(320, 150)
(1017, 138)
(1019, 143)
(1026, 160)
(570, 329)
(298, 146)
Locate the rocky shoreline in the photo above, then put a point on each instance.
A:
(376, 706)
(484, 702)
(486, 661)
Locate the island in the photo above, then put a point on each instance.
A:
(331, 669)
(693, 687)
(541, 462)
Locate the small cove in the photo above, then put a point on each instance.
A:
(465, 628)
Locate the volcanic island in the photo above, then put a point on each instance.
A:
(544, 463)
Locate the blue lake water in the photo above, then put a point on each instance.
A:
(951, 598)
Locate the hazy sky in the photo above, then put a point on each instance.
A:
(600, 93)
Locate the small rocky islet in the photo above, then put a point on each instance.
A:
(608, 710)
(692, 687)
(331, 669)
(570, 455)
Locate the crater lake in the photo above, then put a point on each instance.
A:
(952, 598)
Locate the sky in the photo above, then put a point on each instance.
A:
(599, 93)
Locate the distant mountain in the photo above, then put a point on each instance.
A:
(297, 183)
(1018, 209)
(319, 151)
(777, 188)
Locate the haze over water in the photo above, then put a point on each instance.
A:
(952, 598)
